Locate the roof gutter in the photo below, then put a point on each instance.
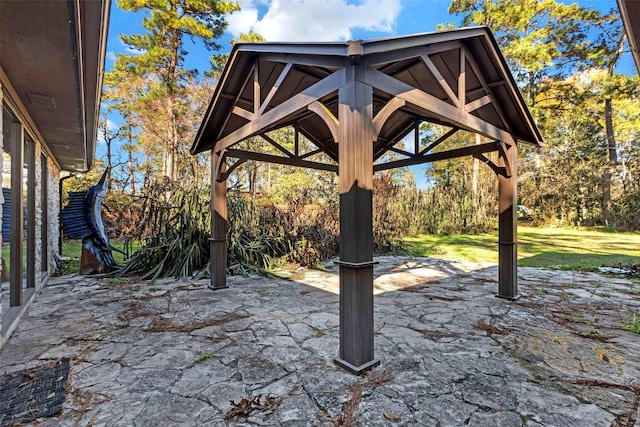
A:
(104, 32)
(626, 22)
(79, 52)
(85, 64)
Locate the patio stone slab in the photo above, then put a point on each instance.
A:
(174, 352)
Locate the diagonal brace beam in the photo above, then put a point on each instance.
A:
(280, 112)
(498, 170)
(442, 155)
(269, 158)
(434, 106)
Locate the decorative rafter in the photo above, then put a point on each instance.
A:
(434, 105)
(489, 89)
(282, 111)
(327, 117)
(443, 83)
(275, 87)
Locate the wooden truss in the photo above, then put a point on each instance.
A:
(354, 102)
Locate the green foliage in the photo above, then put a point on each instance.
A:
(160, 50)
(632, 324)
(261, 236)
(150, 87)
(627, 208)
(177, 243)
(564, 59)
(68, 266)
(174, 236)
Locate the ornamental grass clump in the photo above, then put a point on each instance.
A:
(173, 235)
(176, 244)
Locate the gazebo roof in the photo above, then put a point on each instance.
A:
(456, 78)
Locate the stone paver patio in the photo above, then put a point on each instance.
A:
(176, 353)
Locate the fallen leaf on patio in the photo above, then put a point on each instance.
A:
(391, 416)
(321, 413)
(241, 410)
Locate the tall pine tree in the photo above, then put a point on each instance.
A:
(157, 56)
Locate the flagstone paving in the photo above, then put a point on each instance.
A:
(177, 353)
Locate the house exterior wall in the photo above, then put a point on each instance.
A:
(53, 215)
(50, 212)
(39, 243)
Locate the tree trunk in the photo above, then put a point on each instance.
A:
(474, 179)
(132, 168)
(108, 140)
(612, 151)
(171, 164)
(610, 169)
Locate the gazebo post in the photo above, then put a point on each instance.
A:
(508, 223)
(218, 241)
(355, 167)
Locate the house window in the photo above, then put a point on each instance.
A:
(7, 121)
(13, 193)
(18, 211)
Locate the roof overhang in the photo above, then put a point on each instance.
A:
(52, 59)
(630, 14)
(455, 78)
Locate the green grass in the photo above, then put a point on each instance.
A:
(633, 324)
(73, 249)
(564, 248)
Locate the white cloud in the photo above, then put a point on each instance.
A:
(131, 50)
(314, 20)
(111, 55)
(243, 20)
(111, 125)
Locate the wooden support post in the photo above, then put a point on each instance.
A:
(508, 225)
(15, 246)
(355, 168)
(218, 260)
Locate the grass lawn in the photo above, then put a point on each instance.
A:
(73, 249)
(565, 248)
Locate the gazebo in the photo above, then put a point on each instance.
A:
(355, 101)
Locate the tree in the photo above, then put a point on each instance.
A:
(159, 61)
(219, 61)
(554, 49)
(108, 136)
(539, 38)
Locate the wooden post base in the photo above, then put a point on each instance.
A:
(215, 288)
(508, 297)
(358, 370)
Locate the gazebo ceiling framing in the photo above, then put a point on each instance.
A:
(456, 78)
(355, 101)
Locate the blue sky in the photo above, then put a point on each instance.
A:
(319, 20)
